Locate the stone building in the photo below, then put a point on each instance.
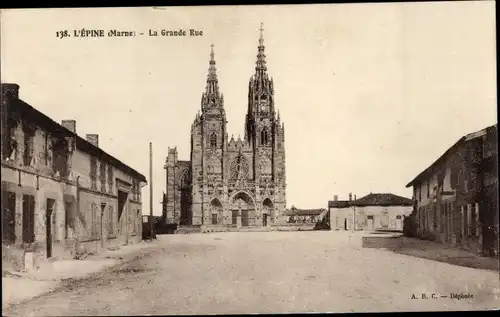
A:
(309, 216)
(374, 211)
(61, 193)
(228, 181)
(456, 198)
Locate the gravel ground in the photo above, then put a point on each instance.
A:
(265, 272)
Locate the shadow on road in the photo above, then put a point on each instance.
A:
(430, 250)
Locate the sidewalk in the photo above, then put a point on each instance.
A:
(430, 250)
(21, 286)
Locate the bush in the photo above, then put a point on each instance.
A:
(410, 226)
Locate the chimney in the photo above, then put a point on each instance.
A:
(94, 139)
(10, 90)
(350, 196)
(70, 125)
(335, 197)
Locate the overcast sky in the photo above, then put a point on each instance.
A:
(371, 94)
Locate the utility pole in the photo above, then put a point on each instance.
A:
(354, 217)
(150, 191)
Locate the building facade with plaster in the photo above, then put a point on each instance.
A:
(375, 211)
(61, 193)
(456, 198)
(228, 181)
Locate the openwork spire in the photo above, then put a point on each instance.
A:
(212, 82)
(260, 66)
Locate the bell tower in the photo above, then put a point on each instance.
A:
(208, 144)
(261, 112)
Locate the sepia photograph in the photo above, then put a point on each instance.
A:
(250, 159)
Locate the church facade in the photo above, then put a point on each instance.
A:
(228, 181)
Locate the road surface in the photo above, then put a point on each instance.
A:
(266, 272)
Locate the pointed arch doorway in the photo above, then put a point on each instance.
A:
(243, 210)
(267, 211)
(216, 211)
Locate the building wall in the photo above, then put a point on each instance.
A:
(74, 220)
(369, 217)
(462, 211)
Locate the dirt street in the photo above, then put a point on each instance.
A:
(265, 272)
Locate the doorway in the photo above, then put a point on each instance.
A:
(214, 219)
(371, 222)
(264, 220)
(103, 207)
(8, 217)
(244, 218)
(345, 223)
(399, 223)
(122, 200)
(28, 219)
(48, 225)
(234, 217)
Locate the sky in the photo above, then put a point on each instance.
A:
(370, 94)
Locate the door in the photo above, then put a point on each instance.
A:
(399, 225)
(371, 223)
(244, 218)
(48, 226)
(384, 220)
(103, 207)
(8, 217)
(234, 217)
(214, 219)
(345, 223)
(264, 220)
(28, 219)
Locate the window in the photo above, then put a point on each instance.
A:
(264, 140)
(93, 173)
(102, 176)
(435, 217)
(213, 140)
(92, 223)
(442, 217)
(110, 179)
(468, 225)
(462, 221)
(46, 149)
(29, 146)
(478, 224)
(473, 220)
(68, 218)
(9, 141)
(420, 193)
(428, 189)
(134, 190)
(111, 220)
(60, 157)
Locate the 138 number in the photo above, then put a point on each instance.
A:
(62, 34)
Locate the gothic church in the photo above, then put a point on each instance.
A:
(228, 182)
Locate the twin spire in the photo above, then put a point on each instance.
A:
(260, 67)
(212, 81)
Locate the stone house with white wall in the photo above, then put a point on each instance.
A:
(61, 192)
(456, 197)
(309, 216)
(375, 211)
